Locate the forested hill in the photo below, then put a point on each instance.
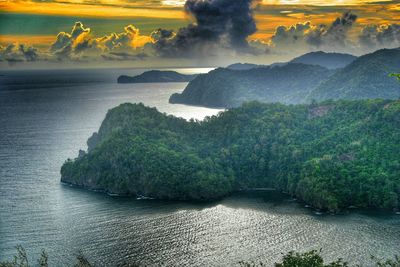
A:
(290, 83)
(331, 155)
(366, 77)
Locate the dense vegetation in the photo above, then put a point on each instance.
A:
(156, 76)
(331, 155)
(230, 88)
(365, 77)
(314, 259)
(21, 260)
(292, 259)
(397, 75)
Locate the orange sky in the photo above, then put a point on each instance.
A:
(269, 15)
(78, 8)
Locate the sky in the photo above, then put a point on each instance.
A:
(137, 33)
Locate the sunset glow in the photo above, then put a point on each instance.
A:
(320, 2)
(38, 23)
(78, 8)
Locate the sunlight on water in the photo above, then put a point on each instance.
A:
(193, 70)
(42, 127)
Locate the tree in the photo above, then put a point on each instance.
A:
(308, 259)
(21, 259)
(397, 75)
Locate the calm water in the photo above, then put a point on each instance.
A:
(42, 125)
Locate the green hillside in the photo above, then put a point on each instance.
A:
(366, 77)
(331, 155)
(230, 88)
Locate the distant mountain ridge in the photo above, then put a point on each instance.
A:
(324, 59)
(292, 83)
(243, 66)
(230, 88)
(327, 60)
(156, 76)
(366, 77)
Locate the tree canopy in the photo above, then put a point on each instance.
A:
(331, 155)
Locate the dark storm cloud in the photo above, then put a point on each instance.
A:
(215, 18)
(218, 23)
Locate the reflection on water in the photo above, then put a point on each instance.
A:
(40, 128)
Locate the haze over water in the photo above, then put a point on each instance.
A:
(47, 116)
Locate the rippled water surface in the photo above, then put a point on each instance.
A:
(41, 125)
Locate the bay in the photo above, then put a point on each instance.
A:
(46, 116)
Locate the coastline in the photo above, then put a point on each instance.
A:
(302, 203)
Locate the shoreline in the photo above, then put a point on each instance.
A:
(303, 204)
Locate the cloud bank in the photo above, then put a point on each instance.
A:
(376, 36)
(304, 37)
(13, 53)
(220, 28)
(79, 44)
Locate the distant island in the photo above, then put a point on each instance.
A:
(331, 155)
(293, 83)
(320, 58)
(157, 76)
